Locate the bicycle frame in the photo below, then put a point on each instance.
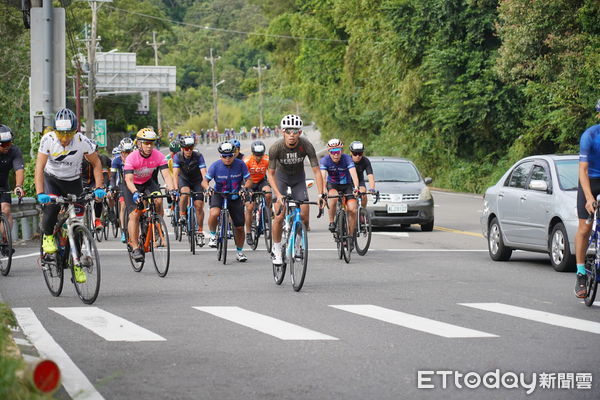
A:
(72, 220)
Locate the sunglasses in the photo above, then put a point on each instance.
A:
(226, 155)
(5, 144)
(356, 154)
(146, 141)
(335, 152)
(291, 131)
(188, 148)
(65, 133)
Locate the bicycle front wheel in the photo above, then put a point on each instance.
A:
(255, 227)
(339, 234)
(192, 229)
(53, 270)
(87, 280)
(161, 251)
(298, 256)
(136, 265)
(279, 270)
(592, 280)
(347, 240)
(5, 246)
(266, 223)
(224, 235)
(115, 224)
(362, 240)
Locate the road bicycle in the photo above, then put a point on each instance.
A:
(362, 238)
(114, 214)
(592, 258)
(102, 233)
(6, 243)
(177, 228)
(191, 226)
(294, 241)
(341, 236)
(153, 235)
(224, 227)
(76, 251)
(261, 221)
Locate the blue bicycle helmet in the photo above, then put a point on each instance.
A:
(236, 143)
(65, 120)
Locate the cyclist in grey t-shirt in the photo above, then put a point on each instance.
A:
(286, 169)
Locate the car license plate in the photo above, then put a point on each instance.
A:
(401, 208)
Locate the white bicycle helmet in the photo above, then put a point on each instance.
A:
(126, 144)
(291, 121)
(187, 141)
(116, 151)
(335, 144)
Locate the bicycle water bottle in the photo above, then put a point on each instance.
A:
(64, 236)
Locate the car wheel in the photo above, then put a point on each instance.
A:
(498, 251)
(428, 227)
(560, 251)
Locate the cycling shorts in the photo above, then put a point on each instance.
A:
(194, 185)
(235, 207)
(345, 189)
(147, 187)
(296, 182)
(582, 213)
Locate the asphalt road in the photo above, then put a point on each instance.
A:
(418, 301)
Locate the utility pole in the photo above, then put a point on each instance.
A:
(260, 68)
(48, 86)
(214, 87)
(155, 46)
(92, 72)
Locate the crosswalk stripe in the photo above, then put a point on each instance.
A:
(265, 324)
(538, 316)
(106, 325)
(74, 381)
(413, 321)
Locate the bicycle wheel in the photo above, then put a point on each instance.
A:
(347, 240)
(89, 261)
(279, 270)
(338, 234)
(219, 236)
(266, 231)
(362, 240)
(136, 265)
(5, 246)
(592, 280)
(225, 235)
(53, 270)
(255, 226)
(161, 251)
(298, 257)
(191, 229)
(116, 223)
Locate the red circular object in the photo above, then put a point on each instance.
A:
(46, 376)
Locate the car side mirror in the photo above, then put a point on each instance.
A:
(539, 185)
(428, 180)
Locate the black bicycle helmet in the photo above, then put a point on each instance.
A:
(226, 148)
(258, 148)
(357, 147)
(5, 134)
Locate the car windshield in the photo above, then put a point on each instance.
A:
(568, 173)
(395, 172)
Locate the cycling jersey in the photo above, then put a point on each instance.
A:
(364, 165)
(87, 173)
(257, 169)
(12, 159)
(189, 168)
(227, 178)
(116, 167)
(64, 163)
(590, 150)
(338, 173)
(142, 168)
(291, 161)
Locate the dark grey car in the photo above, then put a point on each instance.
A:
(405, 198)
(533, 207)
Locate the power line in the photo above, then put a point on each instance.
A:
(227, 30)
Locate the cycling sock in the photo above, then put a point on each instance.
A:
(581, 269)
(239, 249)
(277, 246)
(213, 233)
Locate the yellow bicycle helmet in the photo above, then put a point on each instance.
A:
(147, 134)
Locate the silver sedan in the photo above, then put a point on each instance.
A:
(534, 207)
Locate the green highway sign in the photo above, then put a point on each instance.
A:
(100, 132)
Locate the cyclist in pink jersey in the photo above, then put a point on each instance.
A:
(140, 167)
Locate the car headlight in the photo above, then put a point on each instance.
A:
(425, 194)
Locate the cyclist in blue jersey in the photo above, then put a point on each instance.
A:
(230, 175)
(188, 168)
(341, 178)
(588, 189)
(117, 178)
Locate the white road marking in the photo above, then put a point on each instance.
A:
(265, 324)
(23, 256)
(538, 316)
(106, 325)
(396, 234)
(22, 342)
(413, 321)
(596, 303)
(74, 381)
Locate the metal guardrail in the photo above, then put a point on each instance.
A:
(26, 218)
